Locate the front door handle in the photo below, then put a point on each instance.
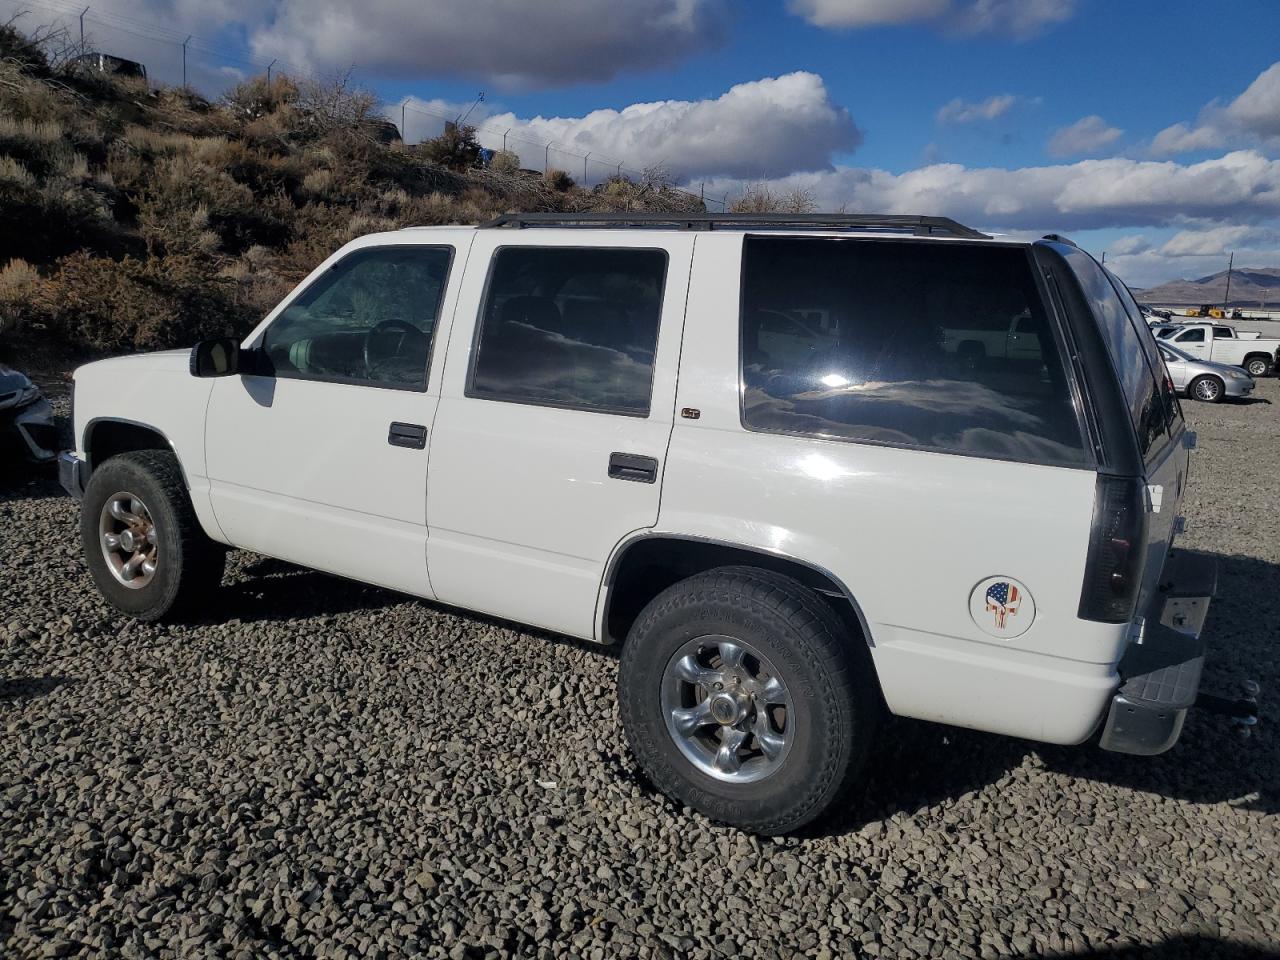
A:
(412, 435)
(631, 466)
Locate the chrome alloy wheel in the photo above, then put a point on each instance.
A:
(727, 709)
(129, 542)
(1208, 389)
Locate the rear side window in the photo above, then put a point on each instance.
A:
(1195, 335)
(941, 346)
(1172, 411)
(1146, 408)
(570, 327)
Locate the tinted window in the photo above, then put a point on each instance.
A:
(570, 327)
(1172, 411)
(368, 319)
(937, 345)
(1192, 336)
(1146, 408)
(1222, 333)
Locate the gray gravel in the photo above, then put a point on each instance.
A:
(325, 769)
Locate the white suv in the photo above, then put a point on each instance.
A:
(613, 428)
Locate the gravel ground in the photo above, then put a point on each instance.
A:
(325, 769)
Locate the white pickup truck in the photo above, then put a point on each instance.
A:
(1223, 343)
(615, 429)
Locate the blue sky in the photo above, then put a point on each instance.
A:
(1147, 129)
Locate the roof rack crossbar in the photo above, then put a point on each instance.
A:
(919, 226)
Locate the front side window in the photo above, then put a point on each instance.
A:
(369, 319)
(936, 345)
(570, 327)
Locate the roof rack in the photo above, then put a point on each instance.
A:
(918, 226)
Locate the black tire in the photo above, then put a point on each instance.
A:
(1257, 367)
(1207, 388)
(188, 563)
(836, 702)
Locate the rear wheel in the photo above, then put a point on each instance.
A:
(743, 697)
(142, 542)
(1207, 388)
(1257, 366)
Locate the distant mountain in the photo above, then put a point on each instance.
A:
(1250, 287)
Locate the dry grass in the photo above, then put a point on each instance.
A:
(145, 219)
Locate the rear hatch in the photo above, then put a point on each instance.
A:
(1139, 434)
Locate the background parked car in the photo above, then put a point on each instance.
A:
(26, 419)
(1204, 379)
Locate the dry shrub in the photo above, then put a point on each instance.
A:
(154, 304)
(505, 162)
(760, 199)
(19, 287)
(558, 180)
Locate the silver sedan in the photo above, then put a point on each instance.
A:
(1204, 379)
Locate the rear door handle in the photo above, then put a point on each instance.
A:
(631, 466)
(412, 435)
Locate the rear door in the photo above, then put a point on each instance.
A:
(554, 420)
(1195, 341)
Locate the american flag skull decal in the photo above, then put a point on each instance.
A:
(1003, 601)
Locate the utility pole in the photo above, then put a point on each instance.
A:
(82, 13)
(1104, 258)
(184, 60)
(546, 158)
(1230, 263)
(269, 66)
(403, 135)
(504, 139)
(584, 167)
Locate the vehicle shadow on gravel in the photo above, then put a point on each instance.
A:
(14, 690)
(916, 764)
(265, 589)
(1176, 948)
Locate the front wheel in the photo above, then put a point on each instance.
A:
(1207, 388)
(142, 542)
(1257, 367)
(742, 696)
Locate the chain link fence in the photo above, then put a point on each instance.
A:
(172, 58)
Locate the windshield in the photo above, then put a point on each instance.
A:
(1178, 354)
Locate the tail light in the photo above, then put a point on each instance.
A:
(1117, 545)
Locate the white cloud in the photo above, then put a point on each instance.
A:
(764, 128)
(1243, 187)
(1086, 135)
(1127, 246)
(845, 14)
(1217, 241)
(1016, 18)
(1195, 253)
(510, 43)
(966, 111)
(1251, 118)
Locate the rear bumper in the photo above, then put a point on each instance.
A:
(1160, 674)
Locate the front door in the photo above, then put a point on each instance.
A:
(554, 420)
(319, 456)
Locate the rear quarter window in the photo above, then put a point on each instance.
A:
(941, 346)
(1128, 355)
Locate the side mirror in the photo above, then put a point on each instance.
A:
(215, 358)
